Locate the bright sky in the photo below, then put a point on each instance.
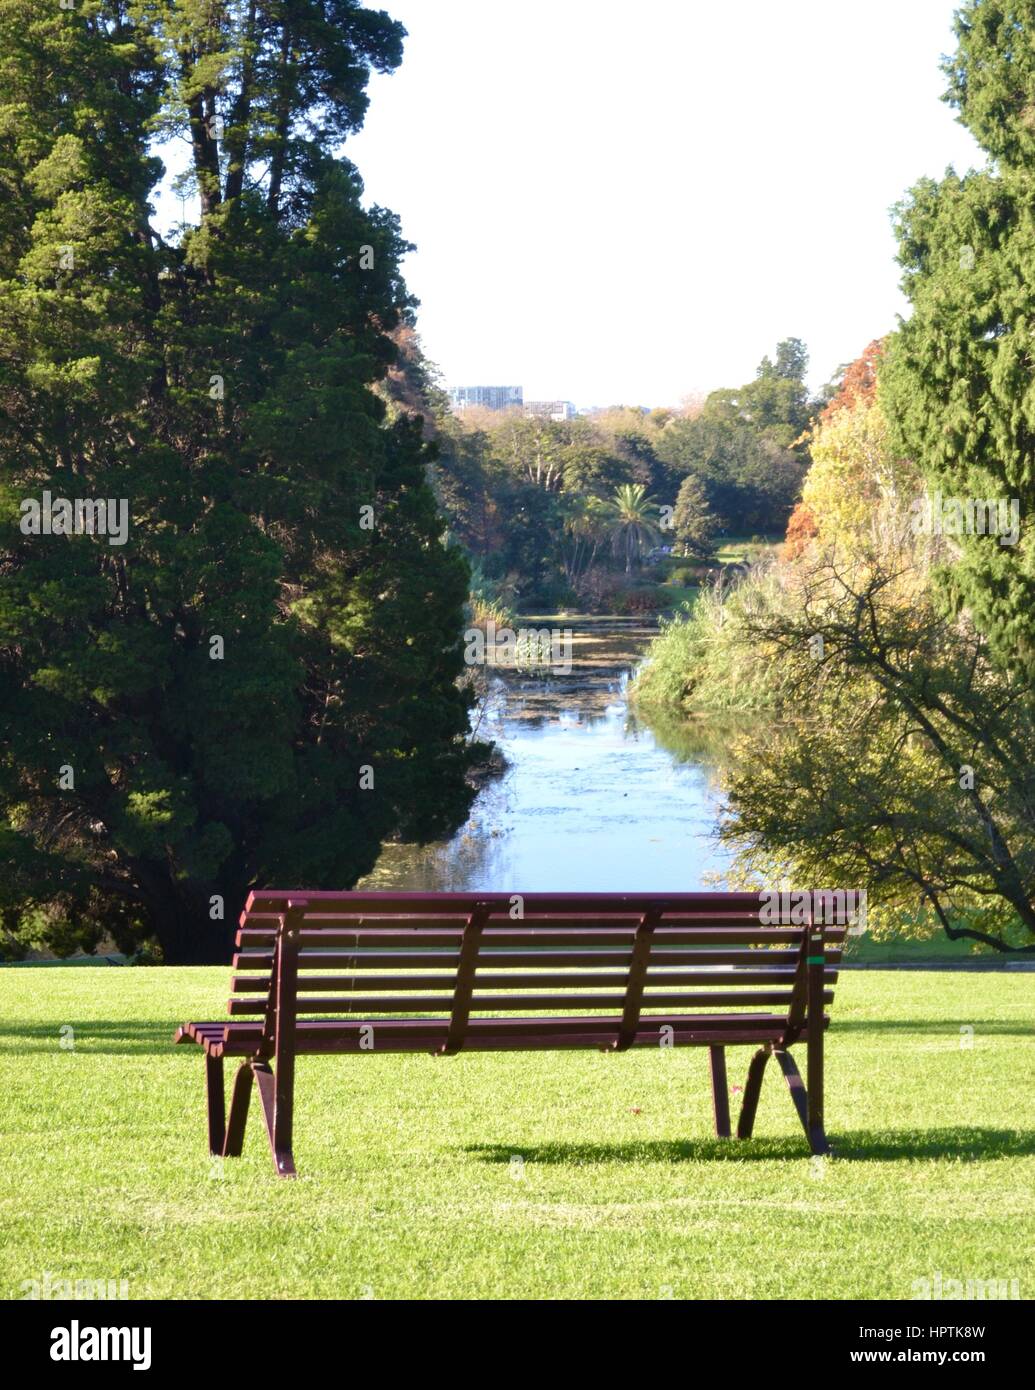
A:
(619, 202)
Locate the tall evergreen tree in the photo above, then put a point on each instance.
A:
(775, 404)
(259, 684)
(957, 382)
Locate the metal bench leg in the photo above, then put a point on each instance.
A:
(215, 1102)
(795, 1085)
(752, 1090)
(280, 1142)
(818, 1141)
(720, 1092)
(238, 1117)
(803, 1103)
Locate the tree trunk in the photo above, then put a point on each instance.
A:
(206, 158)
(186, 932)
(237, 144)
(282, 126)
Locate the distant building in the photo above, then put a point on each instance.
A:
(551, 410)
(488, 397)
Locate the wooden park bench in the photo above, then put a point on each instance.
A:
(492, 972)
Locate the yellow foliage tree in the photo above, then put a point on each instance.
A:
(854, 479)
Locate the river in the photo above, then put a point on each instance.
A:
(591, 799)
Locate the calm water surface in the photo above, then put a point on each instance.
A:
(591, 799)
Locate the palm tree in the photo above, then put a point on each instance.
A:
(630, 516)
(584, 527)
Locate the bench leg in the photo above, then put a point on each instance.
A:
(752, 1090)
(215, 1102)
(720, 1092)
(238, 1117)
(810, 1123)
(280, 1142)
(814, 1119)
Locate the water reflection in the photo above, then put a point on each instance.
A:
(592, 799)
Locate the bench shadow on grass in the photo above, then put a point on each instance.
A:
(964, 1143)
(127, 1035)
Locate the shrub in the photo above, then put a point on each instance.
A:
(700, 661)
(643, 600)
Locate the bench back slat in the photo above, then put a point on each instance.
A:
(515, 938)
(373, 984)
(316, 959)
(372, 1005)
(274, 901)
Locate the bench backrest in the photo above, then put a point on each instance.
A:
(457, 956)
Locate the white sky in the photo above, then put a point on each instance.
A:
(619, 202)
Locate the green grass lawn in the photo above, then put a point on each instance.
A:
(928, 950)
(678, 594)
(738, 550)
(537, 1175)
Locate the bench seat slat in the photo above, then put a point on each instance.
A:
(413, 1003)
(489, 1034)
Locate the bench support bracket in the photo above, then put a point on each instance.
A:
(240, 1098)
(752, 1090)
(283, 1160)
(804, 1104)
(276, 1092)
(258, 1073)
